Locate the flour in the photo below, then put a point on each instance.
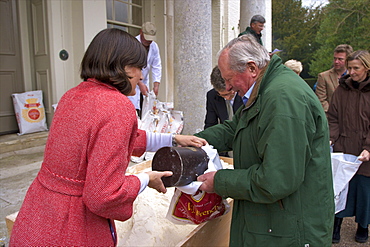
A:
(148, 225)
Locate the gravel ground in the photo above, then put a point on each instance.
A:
(347, 235)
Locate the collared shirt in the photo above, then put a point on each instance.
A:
(248, 94)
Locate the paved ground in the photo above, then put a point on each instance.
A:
(348, 232)
(19, 166)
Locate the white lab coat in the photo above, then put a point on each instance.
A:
(153, 64)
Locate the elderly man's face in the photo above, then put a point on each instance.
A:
(235, 81)
(258, 27)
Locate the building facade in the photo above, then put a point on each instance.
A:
(42, 43)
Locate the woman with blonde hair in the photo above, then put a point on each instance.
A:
(294, 65)
(349, 124)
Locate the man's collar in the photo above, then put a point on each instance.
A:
(247, 95)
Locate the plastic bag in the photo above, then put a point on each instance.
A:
(344, 167)
(30, 112)
(189, 205)
(197, 208)
(159, 116)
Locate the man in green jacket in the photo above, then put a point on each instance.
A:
(282, 182)
(257, 24)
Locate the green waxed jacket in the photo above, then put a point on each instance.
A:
(282, 182)
(249, 30)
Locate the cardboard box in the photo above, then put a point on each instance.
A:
(211, 233)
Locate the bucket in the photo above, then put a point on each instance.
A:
(186, 163)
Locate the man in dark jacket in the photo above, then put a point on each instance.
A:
(257, 24)
(221, 104)
(282, 182)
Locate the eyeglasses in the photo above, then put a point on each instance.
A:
(228, 93)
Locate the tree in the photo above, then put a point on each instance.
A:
(294, 31)
(344, 22)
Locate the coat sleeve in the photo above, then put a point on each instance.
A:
(140, 143)
(156, 64)
(108, 192)
(221, 136)
(321, 92)
(267, 165)
(276, 172)
(332, 115)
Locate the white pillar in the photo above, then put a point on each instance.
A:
(192, 60)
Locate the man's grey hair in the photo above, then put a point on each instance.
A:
(257, 18)
(244, 49)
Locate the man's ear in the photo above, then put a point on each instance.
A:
(253, 69)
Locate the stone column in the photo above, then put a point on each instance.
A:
(249, 8)
(192, 60)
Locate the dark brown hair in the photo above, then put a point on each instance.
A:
(343, 48)
(217, 81)
(107, 55)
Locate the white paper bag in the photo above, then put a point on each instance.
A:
(344, 167)
(30, 112)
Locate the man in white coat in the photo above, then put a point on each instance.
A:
(146, 37)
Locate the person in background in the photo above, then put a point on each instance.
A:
(282, 182)
(257, 24)
(147, 38)
(349, 124)
(327, 81)
(294, 65)
(221, 104)
(81, 187)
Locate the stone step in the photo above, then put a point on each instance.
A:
(13, 142)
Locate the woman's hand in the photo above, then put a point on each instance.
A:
(155, 181)
(364, 156)
(188, 140)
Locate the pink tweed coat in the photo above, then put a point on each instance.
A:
(81, 187)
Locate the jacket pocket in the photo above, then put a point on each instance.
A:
(277, 223)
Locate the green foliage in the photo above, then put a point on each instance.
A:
(344, 22)
(311, 34)
(294, 31)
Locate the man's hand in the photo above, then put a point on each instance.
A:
(143, 89)
(156, 88)
(208, 182)
(189, 140)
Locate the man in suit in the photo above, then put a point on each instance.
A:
(221, 104)
(328, 81)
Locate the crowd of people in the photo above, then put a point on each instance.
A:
(278, 130)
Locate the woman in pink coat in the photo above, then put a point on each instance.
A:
(82, 187)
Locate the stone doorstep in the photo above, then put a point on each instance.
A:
(14, 142)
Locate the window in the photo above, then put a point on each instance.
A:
(125, 14)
